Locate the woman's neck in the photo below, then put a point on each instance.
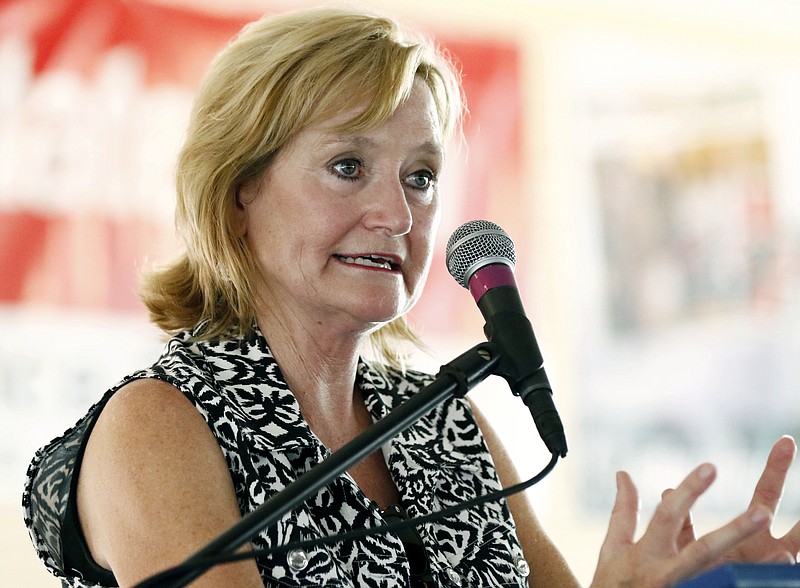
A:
(319, 364)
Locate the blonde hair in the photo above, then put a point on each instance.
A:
(277, 76)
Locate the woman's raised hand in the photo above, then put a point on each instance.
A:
(763, 547)
(668, 551)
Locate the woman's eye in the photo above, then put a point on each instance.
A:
(349, 169)
(421, 180)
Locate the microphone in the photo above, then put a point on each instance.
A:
(480, 256)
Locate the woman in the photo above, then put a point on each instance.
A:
(308, 203)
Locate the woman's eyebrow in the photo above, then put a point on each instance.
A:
(355, 140)
(429, 147)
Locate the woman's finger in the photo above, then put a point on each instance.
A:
(624, 516)
(769, 488)
(710, 548)
(668, 522)
(791, 541)
(686, 535)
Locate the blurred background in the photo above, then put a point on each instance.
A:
(643, 154)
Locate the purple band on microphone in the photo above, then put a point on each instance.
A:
(491, 276)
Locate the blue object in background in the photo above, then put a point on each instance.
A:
(747, 576)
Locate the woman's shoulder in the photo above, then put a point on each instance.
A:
(146, 419)
(137, 408)
(143, 417)
(145, 400)
(153, 463)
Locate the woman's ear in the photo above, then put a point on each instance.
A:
(243, 197)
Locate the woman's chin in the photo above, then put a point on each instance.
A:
(377, 315)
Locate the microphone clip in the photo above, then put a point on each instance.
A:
(471, 367)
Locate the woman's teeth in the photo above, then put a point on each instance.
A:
(371, 261)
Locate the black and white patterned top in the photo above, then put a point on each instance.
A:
(237, 387)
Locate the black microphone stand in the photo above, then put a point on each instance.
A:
(454, 379)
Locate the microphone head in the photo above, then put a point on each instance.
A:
(474, 245)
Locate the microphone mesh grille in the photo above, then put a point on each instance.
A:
(476, 244)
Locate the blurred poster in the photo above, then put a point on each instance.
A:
(696, 353)
(94, 99)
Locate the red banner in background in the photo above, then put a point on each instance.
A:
(61, 243)
(93, 107)
(175, 43)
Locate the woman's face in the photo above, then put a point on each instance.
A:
(342, 225)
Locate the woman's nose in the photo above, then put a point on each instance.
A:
(388, 209)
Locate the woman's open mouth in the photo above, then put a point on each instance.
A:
(371, 261)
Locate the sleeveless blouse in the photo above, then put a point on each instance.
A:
(237, 386)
